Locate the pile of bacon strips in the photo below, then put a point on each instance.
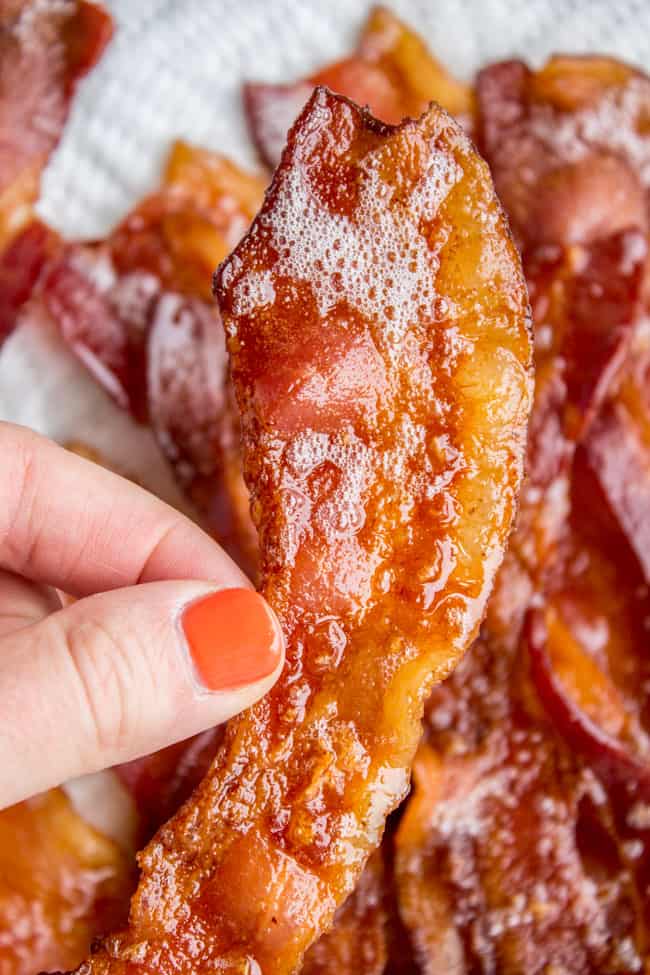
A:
(375, 369)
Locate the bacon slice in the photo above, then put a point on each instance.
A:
(46, 47)
(21, 265)
(620, 463)
(104, 296)
(568, 146)
(571, 163)
(590, 673)
(570, 156)
(391, 72)
(584, 706)
(586, 302)
(179, 234)
(62, 884)
(358, 941)
(137, 311)
(473, 891)
(383, 510)
(506, 863)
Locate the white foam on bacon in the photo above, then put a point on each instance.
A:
(378, 262)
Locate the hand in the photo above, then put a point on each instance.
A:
(167, 637)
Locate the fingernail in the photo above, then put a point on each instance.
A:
(234, 638)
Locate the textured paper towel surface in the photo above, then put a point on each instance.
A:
(174, 69)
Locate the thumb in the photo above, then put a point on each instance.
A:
(121, 674)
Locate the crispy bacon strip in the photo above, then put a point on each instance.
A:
(568, 146)
(180, 233)
(590, 673)
(473, 892)
(381, 357)
(505, 863)
(62, 883)
(570, 156)
(358, 941)
(582, 702)
(46, 47)
(21, 264)
(391, 71)
(571, 159)
(586, 302)
(136, 310)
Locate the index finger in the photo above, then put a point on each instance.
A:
(69, 523)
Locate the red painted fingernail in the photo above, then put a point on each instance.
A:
(234, 638)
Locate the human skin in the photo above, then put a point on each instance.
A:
(126, 668)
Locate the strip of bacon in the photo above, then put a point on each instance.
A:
(568, 146)
(21, 265)
(586, 302)
(391, 71)
(45, 49)
(506, 863)
(62, 883)
(582, 703)
(358, 941)
(471, 889)
(378, 328)
(570, 156)
(137, 310)
(586, 646)
(620, 463)
(571, 161)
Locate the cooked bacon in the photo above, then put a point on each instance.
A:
(21, 264)
(570, 155)
(506, 863)
(391, 72)
(358, 941)
(568, 146)
(46, 47)
(181, 233)
(620, 463)
(571, 163)
(590, 673)
(586, 302)
(365, 234)
(163, 356)
(588, 681)
(581, 702)
(62, 884)
(102, 318)
(135, 309)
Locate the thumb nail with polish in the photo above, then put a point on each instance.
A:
(233, 637)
